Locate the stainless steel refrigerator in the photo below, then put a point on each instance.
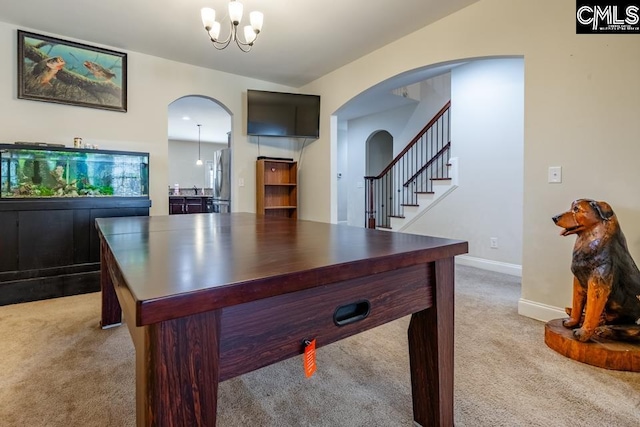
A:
(220, 174)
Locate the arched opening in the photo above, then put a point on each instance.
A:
(199, 128)
(486, 140)
(379, 152)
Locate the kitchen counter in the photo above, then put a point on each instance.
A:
(188, 204)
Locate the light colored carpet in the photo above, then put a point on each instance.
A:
(57, 368)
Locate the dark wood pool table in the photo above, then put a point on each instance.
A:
(208, 297)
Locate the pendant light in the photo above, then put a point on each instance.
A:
(199, 161)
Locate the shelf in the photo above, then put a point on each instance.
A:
(276, 188)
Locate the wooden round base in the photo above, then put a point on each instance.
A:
(616, 355)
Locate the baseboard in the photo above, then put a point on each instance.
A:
(486, 264)
(539, 311)
(45, 287)
(532, 309)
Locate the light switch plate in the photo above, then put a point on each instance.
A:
(555, 174)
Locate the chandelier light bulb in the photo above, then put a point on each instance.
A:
(208, 17)
(235, 12)
(214, 33)
(256, 19)
(249, 34)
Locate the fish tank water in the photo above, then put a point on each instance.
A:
(44, 172)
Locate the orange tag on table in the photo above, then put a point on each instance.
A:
(309, 358)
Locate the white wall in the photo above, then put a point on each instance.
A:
(182, 163)
(402, 123)
(153, 83)
(580, 112)
(487, 101)
(358, 131)
(343, 167)
(434, 93)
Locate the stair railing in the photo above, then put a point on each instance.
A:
(411, 172)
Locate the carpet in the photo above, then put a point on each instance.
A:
(58, 368)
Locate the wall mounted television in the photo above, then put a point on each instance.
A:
(283, 114)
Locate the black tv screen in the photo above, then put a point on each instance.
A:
(283, 114)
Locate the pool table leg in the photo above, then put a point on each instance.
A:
(111, 310)
(431, 352)
(177, 372)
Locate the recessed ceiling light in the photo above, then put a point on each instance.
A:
(186, 118)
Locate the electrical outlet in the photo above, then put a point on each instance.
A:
(494, 243)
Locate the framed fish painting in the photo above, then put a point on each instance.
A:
(66, 72)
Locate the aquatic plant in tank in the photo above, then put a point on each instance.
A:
(33, 173)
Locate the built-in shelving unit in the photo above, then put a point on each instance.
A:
(277, 188)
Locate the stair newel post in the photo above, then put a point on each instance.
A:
(371, 212)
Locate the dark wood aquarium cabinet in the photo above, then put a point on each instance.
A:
(50, 198)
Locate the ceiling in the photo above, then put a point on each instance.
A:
(301, 40)
(186, 113)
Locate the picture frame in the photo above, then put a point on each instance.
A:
(66, 72)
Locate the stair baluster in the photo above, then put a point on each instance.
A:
(412, 172)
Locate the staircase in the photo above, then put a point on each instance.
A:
(419, 177)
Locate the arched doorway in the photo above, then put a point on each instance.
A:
(479, 89)
(199, 128)
(379, 152)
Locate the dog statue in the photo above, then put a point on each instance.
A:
(606, 282)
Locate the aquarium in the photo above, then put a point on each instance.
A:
(43, 172)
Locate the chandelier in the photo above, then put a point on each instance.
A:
(235, 16)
